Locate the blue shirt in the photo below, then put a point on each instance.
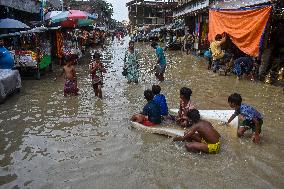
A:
(6, 59)
(243, 65)
(160, 54)
(161, 100)
(248, 112)
(152, 110)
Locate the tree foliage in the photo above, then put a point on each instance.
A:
(103, 7)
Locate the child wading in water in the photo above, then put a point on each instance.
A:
(97, 69)
(251, 118)
(69, 72)
(207, 139)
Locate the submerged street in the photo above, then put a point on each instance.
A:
(51, 141)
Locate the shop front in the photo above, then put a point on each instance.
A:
(255, 27)
(195, 15)
(30, 49)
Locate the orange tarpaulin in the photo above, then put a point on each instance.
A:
(244, 27)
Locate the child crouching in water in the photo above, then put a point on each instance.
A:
(251, 118)
(70, 86)
(151, 114)
(97, 69)
(207, 139)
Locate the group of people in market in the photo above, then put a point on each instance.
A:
(200, 135)
(222, 61)
(131, 69)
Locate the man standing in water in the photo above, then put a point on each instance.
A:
(160, 66)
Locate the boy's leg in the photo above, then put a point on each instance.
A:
(241, 131)
(197, 147)
(138, 118)
(244, 126)
(100, 95)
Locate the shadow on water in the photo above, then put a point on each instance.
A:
(49, 141)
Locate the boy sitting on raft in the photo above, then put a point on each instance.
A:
(160, 99)
(252, 119)
(185, 105)
(207, 139)
(151, 114)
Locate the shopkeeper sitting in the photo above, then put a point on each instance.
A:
(6, 59)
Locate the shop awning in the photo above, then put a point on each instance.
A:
(245, 27)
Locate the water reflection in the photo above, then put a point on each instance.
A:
(48, 141)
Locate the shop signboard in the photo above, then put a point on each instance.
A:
(235, 4)
(191, 7)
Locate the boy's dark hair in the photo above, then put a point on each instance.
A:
(186, 92)
(235, 98)
(156, 89)
(193, 115)
(218, 37)
(96, 55)
(131, 42)
(154, 44)
(148, 94)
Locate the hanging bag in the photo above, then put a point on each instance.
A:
(208, 54)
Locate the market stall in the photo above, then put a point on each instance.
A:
(31, 50)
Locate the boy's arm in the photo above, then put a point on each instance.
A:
(231, 119)
(255, 136)
(223, 40)
(187, 135)
(93, 69)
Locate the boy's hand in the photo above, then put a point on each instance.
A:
(178, 138)
(255, 137)
(224, 123)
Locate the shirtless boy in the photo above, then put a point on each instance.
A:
(201, 136)
(69, 72)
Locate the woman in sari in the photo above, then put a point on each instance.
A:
(131, 64)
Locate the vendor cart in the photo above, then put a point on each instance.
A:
(31, 50)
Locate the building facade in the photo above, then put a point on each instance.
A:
(150, 13)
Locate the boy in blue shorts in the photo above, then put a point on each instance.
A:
(252, 119)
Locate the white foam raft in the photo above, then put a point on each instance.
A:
(173, 130)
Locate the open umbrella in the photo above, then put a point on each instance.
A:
(73, 18)
(71, 15)
(9, 23)
(51, 14)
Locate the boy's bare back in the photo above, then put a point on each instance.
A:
(206, 131)
(69, 72)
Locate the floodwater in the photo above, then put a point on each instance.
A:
(49, 141)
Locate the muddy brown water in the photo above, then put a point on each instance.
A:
(49, 141)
